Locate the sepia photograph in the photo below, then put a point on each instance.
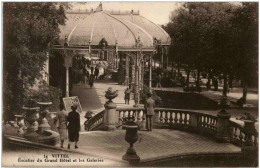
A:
(130, 84)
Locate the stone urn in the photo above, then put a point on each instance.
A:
(110, 94)
(131, 137)
(31, 116)
(20, 123)
(44, 125)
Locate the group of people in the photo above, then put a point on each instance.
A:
(91, 74)
(68, 123)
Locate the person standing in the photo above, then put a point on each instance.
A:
(61, 122)
(127, 95)
(92, 69)
(91, 80)
(159, 80)
(149, 106)
(73, 126)
(96, 72)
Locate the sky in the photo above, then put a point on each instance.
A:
(158, 12)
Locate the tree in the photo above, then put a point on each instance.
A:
(221, 38)
(29, 28)
(245, 41)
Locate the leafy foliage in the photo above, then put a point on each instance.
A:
(29, 28)
(219, 38)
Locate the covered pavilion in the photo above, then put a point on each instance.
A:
(113, 36)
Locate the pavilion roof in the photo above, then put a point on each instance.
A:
(83, 29)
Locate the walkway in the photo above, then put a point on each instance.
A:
(155, 144)
(109, 147)
(94, 99)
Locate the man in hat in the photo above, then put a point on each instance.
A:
(149, 106)
(73, 126)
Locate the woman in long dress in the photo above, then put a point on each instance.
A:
(73, 126)
(61, 122)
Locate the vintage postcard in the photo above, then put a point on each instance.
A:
(130, 84)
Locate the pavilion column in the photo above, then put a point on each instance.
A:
(143, 68)
(67, 64)
(150, 73)
(162, 58)
(133, 70)
(136, 88)
(140, 75)
(127, 70)
(117, 62)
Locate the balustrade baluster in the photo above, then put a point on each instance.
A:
(208, 123)
(124, 116)
(185, 119)
(240, 135)
(189, 120)
(166, 117)
(180, 120)
(128, 114)
(235, 133)
(161, 116)
(175, 118)
(171, 118)
(138, 118)
(205, 121)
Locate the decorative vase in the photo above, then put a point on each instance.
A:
(131, 137)
(20, 123)
(44, 125)
(32, 115)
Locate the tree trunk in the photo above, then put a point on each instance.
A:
(209, 80)
(172, 67)
(198, 79)
(179, 66)
(225, 85)
(188, 77)
(230, 81)
(244, 92)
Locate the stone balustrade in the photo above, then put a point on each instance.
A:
(239, 136)
(95, 121)
(185, 120)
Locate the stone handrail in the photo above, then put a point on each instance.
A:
(137, 113)
(240, 137)
(94, 121)
(186, 120)
(189, 120)
(173, 118)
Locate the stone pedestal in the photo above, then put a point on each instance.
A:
(44, 125)
(32, 115)
(249, 150)
(223, 131)
(110, 116)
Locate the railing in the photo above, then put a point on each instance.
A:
(137, 114)
(239, 137)
(95, 121)
(173, 118)
(186, 120)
